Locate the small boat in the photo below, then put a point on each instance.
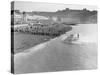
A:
(73, 38)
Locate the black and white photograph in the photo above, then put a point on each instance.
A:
(52, 37)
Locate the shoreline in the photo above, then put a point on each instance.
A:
(29, 38)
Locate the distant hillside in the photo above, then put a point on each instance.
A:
(67, 16)
(92, 19)
(72, 16)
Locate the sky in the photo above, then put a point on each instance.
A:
(47, 7)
